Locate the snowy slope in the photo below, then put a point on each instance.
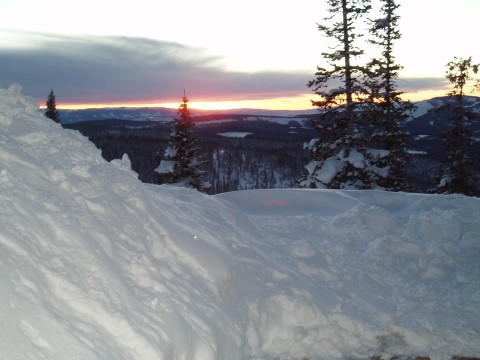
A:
(423, 107)
(96, 265)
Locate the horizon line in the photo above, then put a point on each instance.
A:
(295, 103)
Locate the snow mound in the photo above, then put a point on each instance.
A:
(96, 265)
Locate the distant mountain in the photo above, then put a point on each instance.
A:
(144, 114)
(423, 107)
(425, 128)
(166, 114)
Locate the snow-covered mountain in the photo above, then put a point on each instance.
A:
(96, 265)
(280, 116)
(125, 113)
(423, 107)
(167, 114)
(425, 129)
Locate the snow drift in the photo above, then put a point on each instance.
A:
(96, 265)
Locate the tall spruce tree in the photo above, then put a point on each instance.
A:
(181, 163)
(340, 153)
(386, 109)
(461, 177)
(51, 111)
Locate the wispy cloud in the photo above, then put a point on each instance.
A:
(415, 84)
(114, 69)
(123, 69)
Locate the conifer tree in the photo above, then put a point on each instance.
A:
(461, 177)
(181, 163)
(340, 154)
(51, 111)
(386, 109)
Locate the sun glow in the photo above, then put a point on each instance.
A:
(301, 102)
(282, 103)
(83, 106)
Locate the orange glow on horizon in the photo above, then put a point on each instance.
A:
(83, 106)
(283, 103)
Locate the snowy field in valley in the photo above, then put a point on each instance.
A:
(95, 264)
(235, 134)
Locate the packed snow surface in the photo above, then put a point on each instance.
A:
(96, 265)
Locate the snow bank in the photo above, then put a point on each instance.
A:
(96, 265)
(391, 273)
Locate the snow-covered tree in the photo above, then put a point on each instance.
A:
(385, 108)
(51, 111)
(181, 162)
(461, 177)
(340, 154)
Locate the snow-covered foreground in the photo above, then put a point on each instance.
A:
(96, 265)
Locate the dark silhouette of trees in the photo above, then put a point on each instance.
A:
(461, 177)
(340, 154)
(181, 163)
(51, 111)
(385, 109)
(360, 144)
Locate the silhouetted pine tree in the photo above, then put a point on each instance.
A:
(51, 111)
(461, 177)
(181, 163)
(386, 109)
(340, 154)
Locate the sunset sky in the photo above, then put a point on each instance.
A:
(224, 53)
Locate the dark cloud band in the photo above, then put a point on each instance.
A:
(116, 69)
(124, 69)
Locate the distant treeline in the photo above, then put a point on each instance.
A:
(231, 163)
(272, 158)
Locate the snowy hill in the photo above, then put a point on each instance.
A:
(95, 264)
(426, 129)
(423, 107)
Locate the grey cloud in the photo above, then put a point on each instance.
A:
(418, 84)
(103, 69)
(124, 69)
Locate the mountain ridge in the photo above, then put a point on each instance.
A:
(168, 114)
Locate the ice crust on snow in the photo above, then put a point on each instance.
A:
(96, 265)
